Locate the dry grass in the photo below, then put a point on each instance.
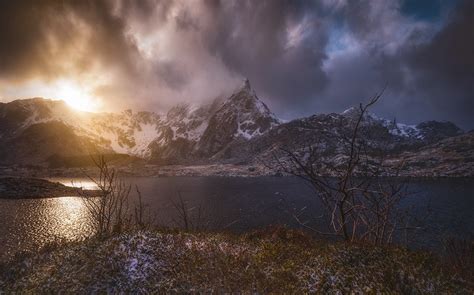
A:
(271, 261)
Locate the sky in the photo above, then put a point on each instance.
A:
(301, 57)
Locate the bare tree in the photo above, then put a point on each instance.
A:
(190, 217)
(358, 202)
(142, 215)
(110, 210)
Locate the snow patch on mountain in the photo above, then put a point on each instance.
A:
(400, 129)
(143, 137)
(394, 128)
(127, 132)
(244, 132)
(187, 121)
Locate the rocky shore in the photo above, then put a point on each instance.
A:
(22, 188)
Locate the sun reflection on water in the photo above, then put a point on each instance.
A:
(31, 223)
(64, 218)
(69, 217)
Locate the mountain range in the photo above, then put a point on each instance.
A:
(240, 129)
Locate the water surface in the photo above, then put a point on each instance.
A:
(232, 203)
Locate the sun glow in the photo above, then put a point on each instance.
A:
(77, 96)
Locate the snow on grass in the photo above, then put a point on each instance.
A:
(275, 262)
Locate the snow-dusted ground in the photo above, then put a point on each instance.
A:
(281, 261)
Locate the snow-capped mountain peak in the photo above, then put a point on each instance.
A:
(253, 117)
(246, 85)
(208, 129)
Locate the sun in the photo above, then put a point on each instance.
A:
(75, 95)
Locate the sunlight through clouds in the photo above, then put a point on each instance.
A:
(78, 95)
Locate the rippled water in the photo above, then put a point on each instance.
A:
(28, 224)
(231, 203)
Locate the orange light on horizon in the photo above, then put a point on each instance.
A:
(79, 95)
(75, 95)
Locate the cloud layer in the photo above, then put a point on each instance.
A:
(302, 57)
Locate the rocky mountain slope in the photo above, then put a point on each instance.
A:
(32, 130)
(239, 129)
(329, 130)
(452, 156)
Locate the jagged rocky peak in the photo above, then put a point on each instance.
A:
(246, 85)
(242, 116)
(245, 100)
(244, 91)
(253, 115)
(208, 129)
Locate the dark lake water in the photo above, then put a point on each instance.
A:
(236, 204)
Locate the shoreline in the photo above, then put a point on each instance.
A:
(15, 188)
(212, 170)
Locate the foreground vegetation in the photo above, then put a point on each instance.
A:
(279, 260)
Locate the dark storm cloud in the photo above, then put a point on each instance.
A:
(428, 65)
(444, 68)
(51, 38)
(24, 31)
(301, 57)
(426, 9)
(278, 45)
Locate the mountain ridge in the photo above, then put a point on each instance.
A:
(237, 129)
